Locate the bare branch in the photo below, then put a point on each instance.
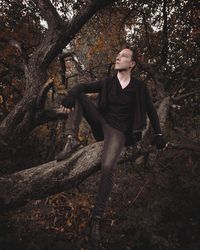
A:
(165, 43)
(192, 147)
(177, 98)
(41, 99)
(49, 13)
(58, 38)
(49, 115)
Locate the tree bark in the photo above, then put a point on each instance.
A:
(49, 178)
(23, 118)
(54, 177)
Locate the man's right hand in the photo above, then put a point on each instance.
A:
(68, 103)
(65, 110)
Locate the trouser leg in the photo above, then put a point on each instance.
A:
(114, 141)
(113, 145)
(73, 121)
(84, 107)
(92, 116)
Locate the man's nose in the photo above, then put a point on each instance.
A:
(117, 58)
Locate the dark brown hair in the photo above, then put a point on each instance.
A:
(134, 52)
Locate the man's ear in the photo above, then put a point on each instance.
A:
(133, 64)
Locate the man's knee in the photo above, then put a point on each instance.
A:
(82, 97)
(108, 168)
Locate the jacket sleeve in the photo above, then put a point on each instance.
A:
(92, 87)
(152, 113)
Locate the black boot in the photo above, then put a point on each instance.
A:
(95, 236)
(70, 147)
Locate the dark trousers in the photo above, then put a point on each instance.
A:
(114, 142)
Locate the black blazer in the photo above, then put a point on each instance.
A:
(143, 104)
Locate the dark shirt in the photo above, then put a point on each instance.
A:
(119, 112)
(119, 108)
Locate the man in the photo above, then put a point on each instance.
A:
(118, 120)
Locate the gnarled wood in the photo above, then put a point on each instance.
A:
(59, 33)
(54, 177)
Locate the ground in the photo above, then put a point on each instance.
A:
(152, 207)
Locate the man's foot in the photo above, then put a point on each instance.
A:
(70, 147)
(95, 236)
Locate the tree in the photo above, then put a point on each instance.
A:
(29, 111)
(157, 28)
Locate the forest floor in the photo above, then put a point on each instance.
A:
(150, 208)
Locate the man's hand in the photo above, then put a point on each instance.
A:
(68, 102)
(64, 109)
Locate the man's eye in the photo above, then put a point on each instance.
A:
(122, 55)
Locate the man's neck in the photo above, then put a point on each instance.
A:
(123, 76)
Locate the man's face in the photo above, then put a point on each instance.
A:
(124, 60)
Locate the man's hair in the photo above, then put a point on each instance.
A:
(134, 53)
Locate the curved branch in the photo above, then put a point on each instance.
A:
(41, 99)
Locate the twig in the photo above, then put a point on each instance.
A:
(139, 193)
(191, 147)
(177, 98)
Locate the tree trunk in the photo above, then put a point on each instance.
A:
(28, 113)
(49, 178)
(21, 120)
(54, 177)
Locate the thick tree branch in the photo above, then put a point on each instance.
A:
(165, 43)
(49, 178)
(49, 13)
(41, 99)
(54, 177)
(49, 115)
(146, 27)
(163, 112)
(57, 39)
